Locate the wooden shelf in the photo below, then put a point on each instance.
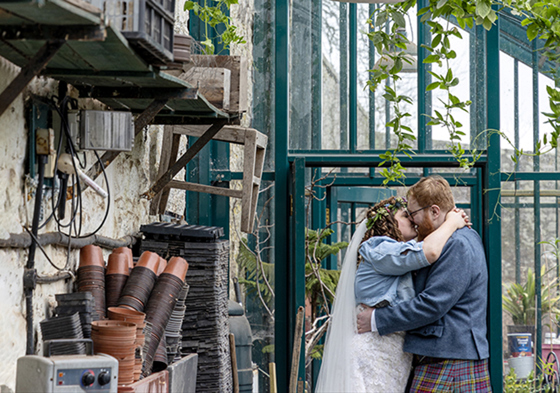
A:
(90, 63)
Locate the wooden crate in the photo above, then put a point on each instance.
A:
(213, 83)
(237, 65)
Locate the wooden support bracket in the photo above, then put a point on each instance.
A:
(164, 179)
(254, 153)
(31, 70)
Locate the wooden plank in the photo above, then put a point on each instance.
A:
(230, 134)
(185, 158)
(183, 185)
(33, 68)
(249, 159)
(138, 92)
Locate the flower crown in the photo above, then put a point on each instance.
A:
(385, 210)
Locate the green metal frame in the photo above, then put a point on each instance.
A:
(289, 168)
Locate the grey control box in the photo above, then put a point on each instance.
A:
(69, 373)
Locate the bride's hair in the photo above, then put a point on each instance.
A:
(384, 224)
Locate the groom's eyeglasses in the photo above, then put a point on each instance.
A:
(411, 214)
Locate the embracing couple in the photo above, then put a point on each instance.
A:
(410, 315)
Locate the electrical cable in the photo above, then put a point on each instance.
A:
(74, 224)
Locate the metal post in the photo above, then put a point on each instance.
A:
(281, 267)
(492, 229)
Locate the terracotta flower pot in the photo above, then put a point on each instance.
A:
(149, 260)
(162, 265)
(91, 255)
(128, 252)
(178, 267)
(124, 314)
(117, 264)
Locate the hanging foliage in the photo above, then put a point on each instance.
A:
(542, 20)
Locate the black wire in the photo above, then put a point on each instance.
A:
(76, 200)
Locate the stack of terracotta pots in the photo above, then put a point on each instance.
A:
(115, 278)
(91, 276)
(139, 285)
(161, 304)
(117, 338)
(128, 252)
(137, 318)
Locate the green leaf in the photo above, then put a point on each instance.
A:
(441, 3)
(398, 18)
(431, 59)
(432, 86)
(482, 8)
(532, 32)
(487, 24)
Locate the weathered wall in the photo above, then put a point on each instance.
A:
(129, 176)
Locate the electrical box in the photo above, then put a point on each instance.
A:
(102, 130)
(68, 373)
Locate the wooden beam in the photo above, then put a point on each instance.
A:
(183, 185)
(100, 92)
(139, 123)
(184, 160)
(32, 69)
(180, 118)
(169, 151)
(52, 32)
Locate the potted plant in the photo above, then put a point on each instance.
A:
(519, 302)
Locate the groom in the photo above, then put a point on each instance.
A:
(446, 321)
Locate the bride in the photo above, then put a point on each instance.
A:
(369, 362)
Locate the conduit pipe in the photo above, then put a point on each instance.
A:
(23, 240)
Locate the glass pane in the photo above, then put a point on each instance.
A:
(335, 75)
(529, 231)
(300, 75)
(460, 67)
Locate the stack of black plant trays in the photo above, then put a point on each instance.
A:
(66, 327)
(160, 307)
(205, 327)
(173, 329)
(81, 303)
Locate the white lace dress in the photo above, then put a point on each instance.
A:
(379, 363)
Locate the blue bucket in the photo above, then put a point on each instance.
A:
(520, 344)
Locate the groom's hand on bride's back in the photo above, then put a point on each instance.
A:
(364, 319)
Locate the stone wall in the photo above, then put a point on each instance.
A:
(129, 176)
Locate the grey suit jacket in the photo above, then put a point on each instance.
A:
(447, 318)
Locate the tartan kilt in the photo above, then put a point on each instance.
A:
(452, 376)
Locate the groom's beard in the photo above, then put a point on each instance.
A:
(425, 227)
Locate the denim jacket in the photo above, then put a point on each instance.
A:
(383, 278)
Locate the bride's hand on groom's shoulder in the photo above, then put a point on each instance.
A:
(364, 319)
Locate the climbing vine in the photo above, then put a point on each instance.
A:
(542, 20)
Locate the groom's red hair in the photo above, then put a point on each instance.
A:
(432, 190)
